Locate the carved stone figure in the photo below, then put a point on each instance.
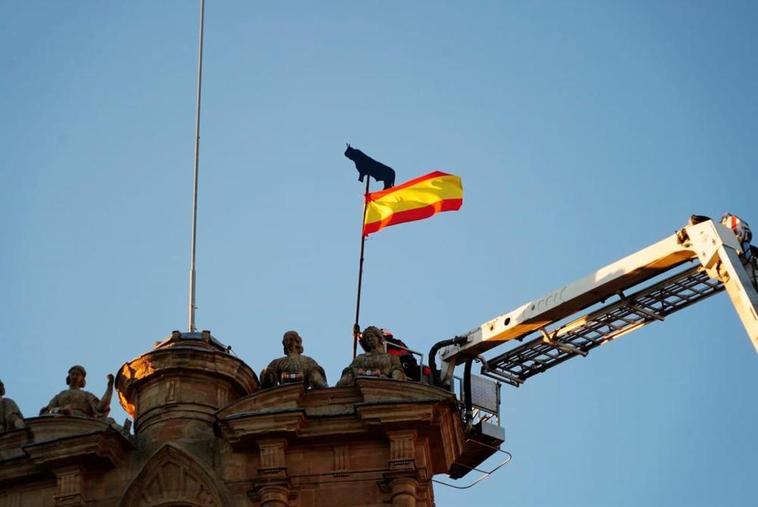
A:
(78, 402)
(10, 415)
(375, 362)
(294, 367)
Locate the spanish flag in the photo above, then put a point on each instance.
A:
(413, 200)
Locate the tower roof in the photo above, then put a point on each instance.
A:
(204, 340)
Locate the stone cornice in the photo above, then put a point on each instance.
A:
(327, 416)
(202, 360)
(55, 441)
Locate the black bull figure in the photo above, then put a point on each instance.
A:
(368, 166)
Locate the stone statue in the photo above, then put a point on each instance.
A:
(294, 367)
(78, 402)
(374, 363)
(10, 415)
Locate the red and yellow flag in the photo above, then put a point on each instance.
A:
(413, 200)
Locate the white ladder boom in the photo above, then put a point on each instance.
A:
(718, 259)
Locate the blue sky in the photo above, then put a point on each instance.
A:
(583, 132)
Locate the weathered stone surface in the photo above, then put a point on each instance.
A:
(174, 390)
(174, 477)
(61, 459)
(205, 434)
(378, 441)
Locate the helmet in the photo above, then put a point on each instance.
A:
(740, 227)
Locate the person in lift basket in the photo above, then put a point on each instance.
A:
(397, 347)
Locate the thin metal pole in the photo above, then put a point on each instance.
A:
(356, 326)
(192, 306)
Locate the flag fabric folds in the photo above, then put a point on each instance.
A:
(416, 199)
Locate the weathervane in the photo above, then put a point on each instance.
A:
(413, 200)
(367, 168)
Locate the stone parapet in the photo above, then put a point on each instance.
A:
(380, 441)
(61, 451)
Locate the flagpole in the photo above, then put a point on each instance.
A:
(192, 306)
(356, 326)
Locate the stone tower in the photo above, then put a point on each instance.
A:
(206, 434)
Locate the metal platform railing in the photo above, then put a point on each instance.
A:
(581, 335)
(485, 398)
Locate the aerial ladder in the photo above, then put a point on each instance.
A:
(702, 259)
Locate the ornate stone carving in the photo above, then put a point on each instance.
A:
(10, 415)
(69, 490)
(402, 450)
(272, 486)
(375, 362)
(172, 477)
(294, 367)
(341, 459)
(273, 456)
(76, 401)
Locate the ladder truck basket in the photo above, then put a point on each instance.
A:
(484, 434)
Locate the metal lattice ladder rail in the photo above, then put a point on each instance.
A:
(581, 335)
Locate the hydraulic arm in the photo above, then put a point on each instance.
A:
(699, 260)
